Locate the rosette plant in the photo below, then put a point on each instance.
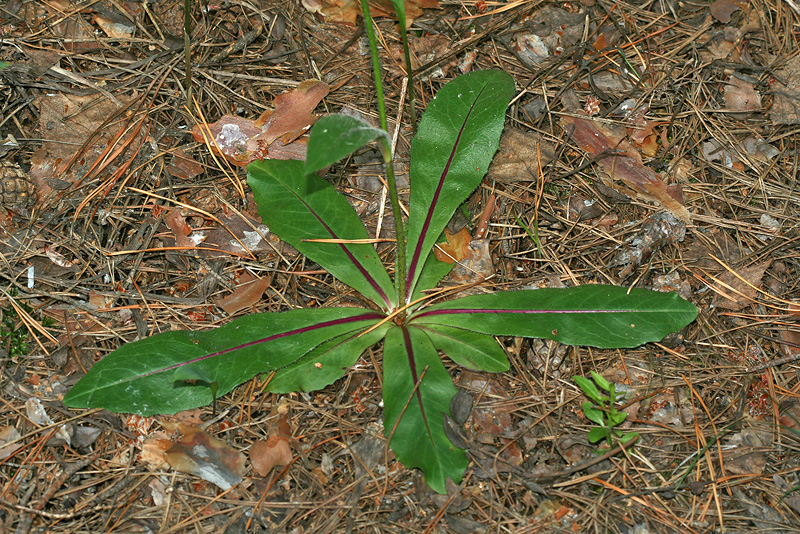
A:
(310, 348)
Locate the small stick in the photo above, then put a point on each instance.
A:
(24, 526)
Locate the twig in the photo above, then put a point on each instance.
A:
(38, 509)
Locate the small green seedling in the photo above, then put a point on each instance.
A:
(602, 411)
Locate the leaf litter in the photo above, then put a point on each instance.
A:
(696, 75)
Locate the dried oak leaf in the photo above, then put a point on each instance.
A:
(265, 455)
(476, 266)
(489, 421)
(735, 291)
(621, 161)
(205, 456)
(472, 257)
(273, 135)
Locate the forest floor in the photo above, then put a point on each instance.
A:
(125, 232)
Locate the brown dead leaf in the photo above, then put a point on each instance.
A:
(489, 420)
(75, 33)
(153, 448)
(620, 160)
(183, 166)
(519, 156)
(427, 48)
(276, 450)
(274, 134)
(456, 248)
(550, 31)
(177, 223)
(115, 27)
(239, 231)
(476, 266)
(723, 9)
(247, 294)
(734, 292)
(741, 97)
(786, 96)
(265, 455)
(791, 342)
(67, 122)
(8, 442)
(200, 454)
(293, 113)
(347, 11)
(158, 492)
(745, 451)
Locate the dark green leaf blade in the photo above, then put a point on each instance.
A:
(335, 137)
(192, 374)
(456, 140)
(419, 439)
(140, 378)
(325, 364)
(299, 207)
(432, 273)
(595, 315)
(467, 348)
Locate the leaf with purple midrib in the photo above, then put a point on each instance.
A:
(418, 248)
(296, 331)
(368, 277)
(412, 365)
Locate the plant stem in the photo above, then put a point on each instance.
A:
(400, 9)
(386, 150)
(187, 50)
(534, 236)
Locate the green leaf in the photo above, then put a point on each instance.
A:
(298, 207)
(595, 315)
(588, 387)
(400, 9)
(602, 382)
(468, 349)
(432, 273)
(418, 439)
(139, 377)
(625, 438)
(616, 417)
(325, 364)
(335, 137)
(598, 433)
(456, 140)
(193, 374)
(593, 414)
(4, 64)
